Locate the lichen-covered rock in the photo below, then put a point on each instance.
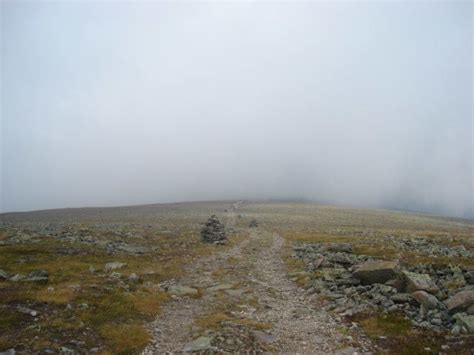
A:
(376, 271)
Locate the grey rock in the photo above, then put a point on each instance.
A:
(263, 337)
(114, 265)
(416, 282)
(428, 301)
(199, 344)
(465, 321)
(5, 276)
(133, 277)
(182, 290)
(377, 271)
(460, 301)
(340, 248)
(37, 276)
(8, 352)
(401, 298)
(220, 287)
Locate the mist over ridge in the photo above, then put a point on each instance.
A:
(365, 105)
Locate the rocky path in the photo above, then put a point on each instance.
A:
(249, 282)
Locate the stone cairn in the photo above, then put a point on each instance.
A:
(213, 231)
(253, 223)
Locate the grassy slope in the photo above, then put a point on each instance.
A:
(115, 313)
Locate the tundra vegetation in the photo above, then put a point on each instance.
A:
(290, 276)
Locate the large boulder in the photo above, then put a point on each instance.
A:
(213, 231)
(460, 301)
(376, 271)
(416, 282)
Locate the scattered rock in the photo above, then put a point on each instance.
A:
(465, 321)
(182, 290)
(377, 271)
(340, 248)
(428, 301)
(234, 293)
(220, 287)
(17, 278)
(29, 311)
(199, 344)
(4, 276)
(213, 231)
(114, 265)
(263, 337)
(37, 276)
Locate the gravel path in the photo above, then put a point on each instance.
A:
(298, 325)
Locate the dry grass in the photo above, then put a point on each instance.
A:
(125, 338)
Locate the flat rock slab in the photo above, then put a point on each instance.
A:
(377, 271)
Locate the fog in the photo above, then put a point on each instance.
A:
(356, 104)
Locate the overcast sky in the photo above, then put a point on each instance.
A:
(352, 103)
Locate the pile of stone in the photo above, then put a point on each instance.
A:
(434, 297)
(213, 231)
(253, 223)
